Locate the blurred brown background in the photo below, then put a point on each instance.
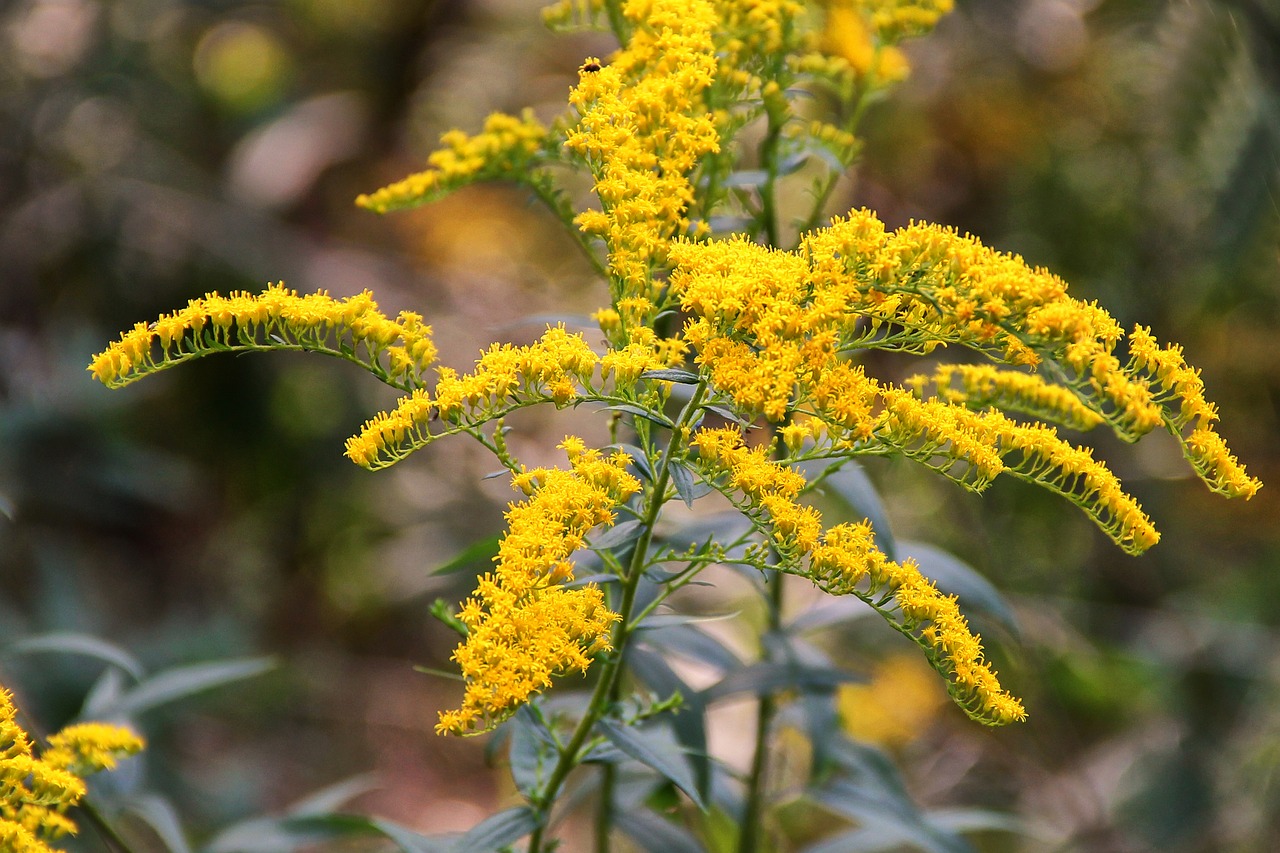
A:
(153, 150)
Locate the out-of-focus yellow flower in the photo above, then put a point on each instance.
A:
(898, 702)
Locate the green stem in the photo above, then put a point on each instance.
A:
(605, 691)
(753, 818)
(104, 828)
(768, 192)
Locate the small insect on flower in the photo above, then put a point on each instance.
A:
(590, 67)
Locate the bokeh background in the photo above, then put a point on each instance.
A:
(153, 150)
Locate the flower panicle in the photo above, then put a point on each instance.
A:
(398, 351)
(35, 792)
(507, 148)
(771, 330)
(524, 625)
(556, 368)
(844, 560)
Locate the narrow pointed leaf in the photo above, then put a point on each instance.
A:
(159, 814)
(499, 830)
(477, 553)
(689, 488)
(654, 835)
(641, 412)
(658, 753)
(331, 797)
(78, 644)
(617, 536)
(683, 377)
(767, 677)
(180, 682)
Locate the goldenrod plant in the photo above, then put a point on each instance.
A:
(727, 358)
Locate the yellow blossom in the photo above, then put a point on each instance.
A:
(35, 792)
(506, 148)
(524, 626)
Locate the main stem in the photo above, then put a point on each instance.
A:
(603, 695)
(753, 818)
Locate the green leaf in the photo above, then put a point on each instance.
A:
(330, 797)
(641, 412)
(977, 595)
(177, 683)
(871, 792)
(655, 748)
(159, 814)
(78, 644)
(686, 485)
(617, 536)
(480, 552)
(533, 752)
(498, 830)
(849, 483)
(766, 677)
(976, 820)
(683, 377)
(655, 834)
(687, 641)
(287, 834)
(690, 725)
(727, 414)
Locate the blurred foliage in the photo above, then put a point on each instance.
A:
(152, 150)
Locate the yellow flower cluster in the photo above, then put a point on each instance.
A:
(984, 386)
(642, 129)
(553, 368)
(771, 489)
(524, 626)
(399, 350)
(36, 792)
(505, 149)
(771, 330)
(845, 561)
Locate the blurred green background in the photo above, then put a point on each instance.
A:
(153, 150)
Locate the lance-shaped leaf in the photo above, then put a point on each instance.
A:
(656, 749)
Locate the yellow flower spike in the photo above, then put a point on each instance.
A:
(524, 626)
(505, 148)
(352, 329)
